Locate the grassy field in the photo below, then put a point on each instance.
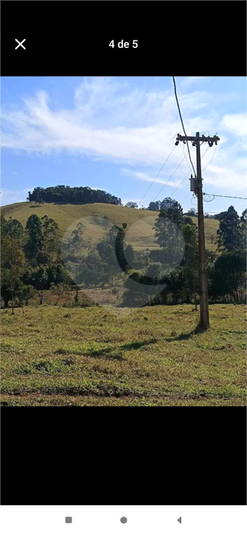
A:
(53, 355)
(140, 233)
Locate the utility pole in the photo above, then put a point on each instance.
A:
(196, 186)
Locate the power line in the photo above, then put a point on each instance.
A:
(226, 196)
(212, 156)
(156, 176)
(180, 183)
(180, 115)
(163, 185)
(169, 178)
(139, 203)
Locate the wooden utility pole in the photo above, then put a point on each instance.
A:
(196, 186)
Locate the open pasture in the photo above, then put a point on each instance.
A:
(52, 355)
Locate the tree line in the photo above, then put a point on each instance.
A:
(31, 260)
(71, 195)
(34, 259)
(176, 264)
(156, 206)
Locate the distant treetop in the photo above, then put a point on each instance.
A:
(71, 195)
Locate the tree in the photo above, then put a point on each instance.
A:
(13, 228)
(212, 237)
(190, 236)
(12, 265)
(77, 241)
(171, 205)
(230, 237)
(154, 206)
(155, 271)
(244, 216)
(60, 290)
(23, 294)
(182, 281)
(93, 269)
(75, 195)
(131, 204)
(187, 220)
(168, 233)
(243, 224)
(188, 273)
(16, 291)
(192, 212)
(219, 216)
(73, 250)
(34, 235)
(228, 275)
(137, 291)
(39, 278)
(106, 251)
(50, 238)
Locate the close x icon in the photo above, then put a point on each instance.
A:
(20, 44)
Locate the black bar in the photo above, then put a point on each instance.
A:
(72, 38)
(123, 456)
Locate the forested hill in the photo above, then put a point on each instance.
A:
(71, 195)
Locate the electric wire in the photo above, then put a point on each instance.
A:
(156, 176)
(162, 186)
(139, 203)
(215, 149)
(169, 178)
(181, 119)
(225, 196)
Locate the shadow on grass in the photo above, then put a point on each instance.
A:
(137, 345)
(197, 330)
(107, 353)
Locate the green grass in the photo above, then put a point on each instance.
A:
(151, 356)
(139, 233)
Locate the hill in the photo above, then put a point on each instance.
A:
(139, 222)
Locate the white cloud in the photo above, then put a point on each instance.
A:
(225, 178)
(235, 123)
(113, 121)
(10, 196)
(148, 178)
(190, 80)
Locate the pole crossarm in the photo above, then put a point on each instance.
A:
(197, 139)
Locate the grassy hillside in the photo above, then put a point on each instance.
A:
(53, 355)
(140, 222)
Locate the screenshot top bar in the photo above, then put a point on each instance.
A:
(122, 38)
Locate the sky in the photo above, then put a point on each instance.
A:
(115, 134)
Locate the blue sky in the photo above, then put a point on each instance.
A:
(115, 134)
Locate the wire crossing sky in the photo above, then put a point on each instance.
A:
(181, 119)
(118, 134)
